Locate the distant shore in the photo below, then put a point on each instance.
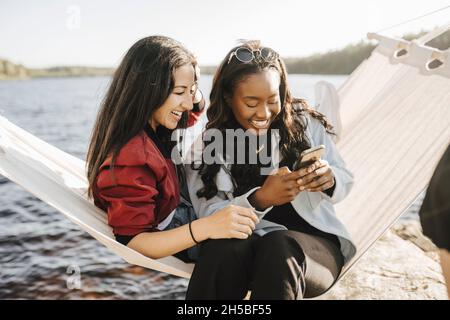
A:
(334, 62)
(11, 71)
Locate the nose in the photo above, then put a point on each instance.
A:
(187, 103)
(263, 112)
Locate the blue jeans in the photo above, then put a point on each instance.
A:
(183, 215)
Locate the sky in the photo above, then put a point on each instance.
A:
(98, 33)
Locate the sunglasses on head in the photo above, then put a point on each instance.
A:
(247, 55)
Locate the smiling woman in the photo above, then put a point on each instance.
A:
(299, 247)
(179, 100)
(258, 100)
(131, 174)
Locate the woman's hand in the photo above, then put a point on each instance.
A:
(319, 178)
(279, 188)
(231, 222)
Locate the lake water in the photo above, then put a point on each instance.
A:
(41, 252)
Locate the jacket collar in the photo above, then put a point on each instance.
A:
(154, 137)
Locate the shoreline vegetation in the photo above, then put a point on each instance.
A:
(340, 62)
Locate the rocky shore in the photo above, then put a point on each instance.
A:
(11, 71)
(402, 265)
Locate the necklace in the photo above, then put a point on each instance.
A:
(260, 149)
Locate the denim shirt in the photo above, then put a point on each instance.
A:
(314, 207)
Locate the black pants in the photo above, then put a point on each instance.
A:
(280, 265)
(299, 262)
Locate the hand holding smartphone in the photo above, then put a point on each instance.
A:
(309, 156)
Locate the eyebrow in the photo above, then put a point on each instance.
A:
(257, 98)
(183, 86)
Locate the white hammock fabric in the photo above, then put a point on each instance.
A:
(327, 102)
(59, 179)
(396, 125)
(395, 120)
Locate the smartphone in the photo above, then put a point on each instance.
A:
(309, 156)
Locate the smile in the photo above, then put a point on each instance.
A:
(177, 114)
(260, 124)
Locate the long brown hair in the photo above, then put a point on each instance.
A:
(291, 121)
(141, 84)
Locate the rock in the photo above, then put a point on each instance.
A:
(394, 268)
(412, 231)
(10, 69)
(21, 72)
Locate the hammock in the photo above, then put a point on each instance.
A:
(395, 120)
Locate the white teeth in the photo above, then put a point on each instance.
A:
(260, 123)
(177, 113)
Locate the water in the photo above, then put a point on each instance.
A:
(42, 254)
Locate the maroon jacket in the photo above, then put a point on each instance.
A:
(145, 190)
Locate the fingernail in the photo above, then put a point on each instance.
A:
(302, 188)
(299, 181)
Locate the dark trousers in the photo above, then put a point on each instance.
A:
(280, 265)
